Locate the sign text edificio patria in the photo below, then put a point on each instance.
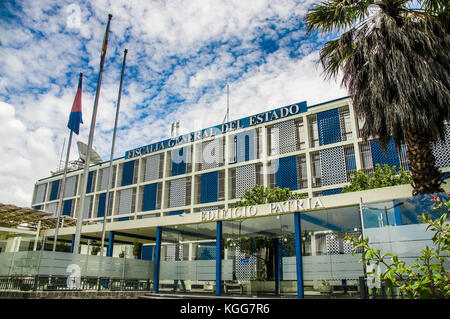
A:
(264, 209)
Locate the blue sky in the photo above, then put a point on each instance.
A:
(181, 56)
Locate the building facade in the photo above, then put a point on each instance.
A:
(179, 194)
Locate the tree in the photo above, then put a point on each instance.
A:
(425, 278)
(263, 195)
(394, 61)
(254, 244)
(383, 176)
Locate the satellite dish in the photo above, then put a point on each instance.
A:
(82, 150)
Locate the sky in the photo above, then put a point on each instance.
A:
(181, 56)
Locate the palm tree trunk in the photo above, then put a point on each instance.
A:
(425, 175)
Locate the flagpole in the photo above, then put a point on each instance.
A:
(61, 194)
(80, 205)
(112, 152)
(63, 186)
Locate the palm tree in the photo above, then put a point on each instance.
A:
(395, 63)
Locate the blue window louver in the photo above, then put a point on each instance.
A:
(329, 127)
(54, 190)
(149, 197)
(287, 174)
(391, 157)
(127, 173)
(209, 187)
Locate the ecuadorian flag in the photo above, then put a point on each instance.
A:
(105, 44)
(75, 114)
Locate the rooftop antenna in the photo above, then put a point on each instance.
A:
(82, 151)
(61, 158)
(174, 129)
(227, 115)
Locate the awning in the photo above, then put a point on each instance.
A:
(13, 216)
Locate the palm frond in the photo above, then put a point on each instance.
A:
(336, 15)
(399, 78)
(334, 54)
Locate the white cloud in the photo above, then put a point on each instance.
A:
(27, 155)
(181, 56)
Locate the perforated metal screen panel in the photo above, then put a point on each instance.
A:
(54, 190)
(90, 182)
(332, 166)
(287, 139)
(287, 174)
(245, 179)
(331, 191)
(209, 187)
(40, 193)
(67, 208)
(180, 157)
(174, 252)
(329, 127)
(378, 157)
(331, 244)
(177, 192)
(70, 186)
(212, 154)
(125, 201)
(128, 173)
(245, 265)
(152, 167)
(149, 197)
(51, 208)
(245, 146)
(441, 150)
(101, 205)
(87, 207)
(104, 181)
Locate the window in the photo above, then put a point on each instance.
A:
(366, 157)
(350, 161)
(259, 144)
(302, 172)
(404, 163)
(232, 183)
(221, 189)
(346, 125)
(313, 131)
(273, 138)
(210, 154)
(103, 175)
(316, 174)
(300, 131)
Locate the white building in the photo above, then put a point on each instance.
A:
(178, 194)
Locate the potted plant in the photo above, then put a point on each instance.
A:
(95, 250)
(136, 249)
(324, 287)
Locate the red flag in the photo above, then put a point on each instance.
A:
(75, 114)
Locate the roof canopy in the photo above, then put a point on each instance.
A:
(13, 216)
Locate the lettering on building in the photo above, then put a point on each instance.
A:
(257, 119)
(252, 211)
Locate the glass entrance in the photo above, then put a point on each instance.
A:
(188, 259)
(262, 252)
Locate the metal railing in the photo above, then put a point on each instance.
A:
(60, 283)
